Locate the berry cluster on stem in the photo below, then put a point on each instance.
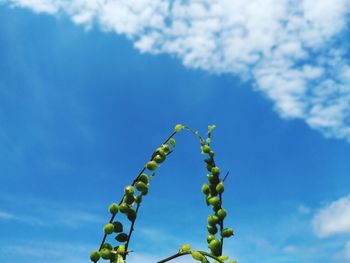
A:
(133, 196)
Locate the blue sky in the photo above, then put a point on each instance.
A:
(87, 92)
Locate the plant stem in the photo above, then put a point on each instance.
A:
(130, 231)
(180, 254)
(133, 183)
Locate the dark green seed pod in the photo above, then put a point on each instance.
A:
(131, 214)
(107, 246)
(124, 208)
(210, 237)
(205, 148)
(122, 237)
(212, 229)
(211, 153)
(142, 187)
(113, 208)
(213, 220)
(220, 187)
(221, 213)
(138, 199)
(118, 227)
(151, 165)
(95, 256)
(105, 253)
(165, 148)
(108, 228)
(215, 171)
(214, 247)
(158, 158)
(143, 178)
(129, 199)
(227, 232)
(129, 190)
(205, 189)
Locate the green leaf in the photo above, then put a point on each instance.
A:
(122, 237)
(118, 227)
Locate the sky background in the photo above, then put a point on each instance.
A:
(88, 89)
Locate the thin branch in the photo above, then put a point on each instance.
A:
(180, 254)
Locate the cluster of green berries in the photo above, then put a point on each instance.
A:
(212, 192)
(127, 205)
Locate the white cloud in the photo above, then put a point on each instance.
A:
(291, 50)
(333, 219)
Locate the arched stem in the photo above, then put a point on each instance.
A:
(180, 254)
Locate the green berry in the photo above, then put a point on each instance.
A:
(213, 179)
(213, 220)
(94, 256)
(210, 237)
(124, 208)
(108, 228)
(227, 232)
(206, 148)
(221, 213)
(160, 151)
(142, 187)
(179, 127)
(151, 165)
(214, 201)
(106, 253)
(212, 229)
(185, 247)
(107, 245)
(220, 188)
(158, 158)
(223, 258)
(205, 189)
(121, 250)
(211, 154)
(143, 178)
(113, 208)
(122, 237)
(165, 148)
(196, 255)
(138, 199)
(118, 227)
(215, 170)
(129, 190)
(214, 246)
(172, 142)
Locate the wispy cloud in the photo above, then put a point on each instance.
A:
(45, 250)
(294, 52)
(46, 214)
(333, 219)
